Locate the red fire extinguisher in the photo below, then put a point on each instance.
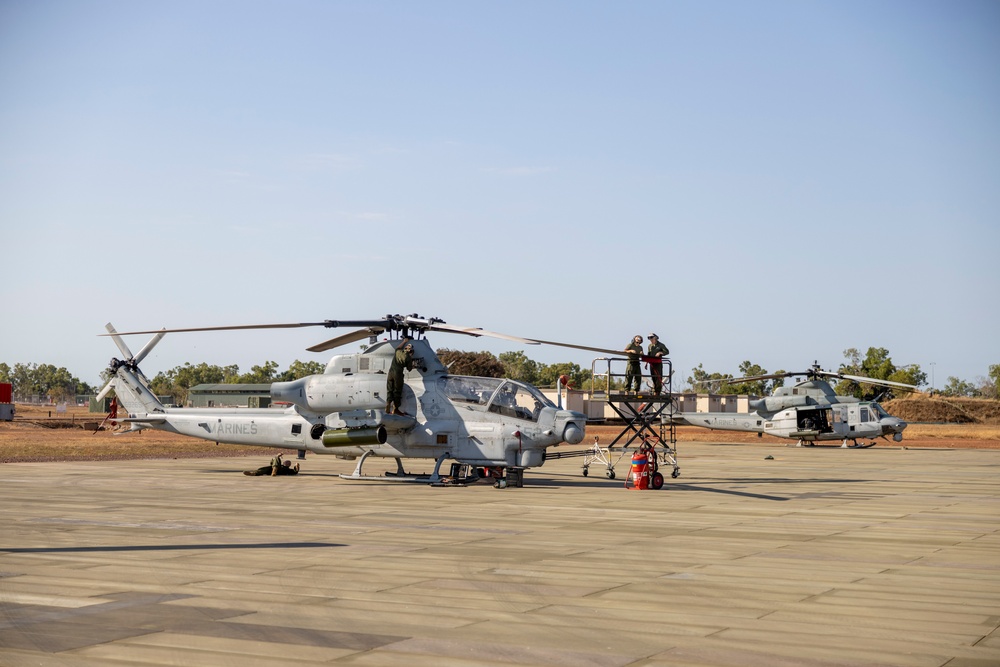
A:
(640, 475)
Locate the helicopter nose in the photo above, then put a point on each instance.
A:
(895, 426)
(573, 434)
(569, 426)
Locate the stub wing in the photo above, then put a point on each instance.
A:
(144, 420)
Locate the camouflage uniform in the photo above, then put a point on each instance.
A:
(656, 352)
(633, 371)
(403, 359)
(274, 468)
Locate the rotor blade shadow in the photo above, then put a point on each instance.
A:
(168, 547)
(787, 480)
(728, 492)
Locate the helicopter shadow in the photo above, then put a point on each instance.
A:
(572, 482)
(169, 547)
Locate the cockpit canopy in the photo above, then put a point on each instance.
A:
(505, 397)
(877, 412)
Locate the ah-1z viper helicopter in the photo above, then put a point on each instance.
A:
(499, 424)
(809, 411)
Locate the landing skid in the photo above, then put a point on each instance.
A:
(863, 445)
(461, 475)
(856, 445)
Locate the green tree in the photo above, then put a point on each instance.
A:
(177, 381)
(4, 372)
(991, 389)
(549, 375)
(480, 364)
(259, 374)
(957, 387)
(300, 369)
(22, 377)
(517, 366)
(761, 387)
(702, 381)
(876, 365)
(57, 384)
(909, 375)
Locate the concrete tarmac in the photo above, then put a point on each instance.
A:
(819, 557)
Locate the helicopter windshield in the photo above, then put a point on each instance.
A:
(879, 411)
(469, 390)
(505, 397)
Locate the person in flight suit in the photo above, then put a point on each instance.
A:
(633, 371)
(274, 468)
(402, 360)
(656, 352)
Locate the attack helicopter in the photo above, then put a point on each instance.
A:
(809, 412)
(494, 425)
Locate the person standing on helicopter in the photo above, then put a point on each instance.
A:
(402, 360)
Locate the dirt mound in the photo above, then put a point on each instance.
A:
(945, 410)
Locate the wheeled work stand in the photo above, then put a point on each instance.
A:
(647, 417)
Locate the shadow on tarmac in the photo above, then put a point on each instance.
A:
(170, 547)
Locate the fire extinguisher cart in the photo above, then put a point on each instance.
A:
(645, 470)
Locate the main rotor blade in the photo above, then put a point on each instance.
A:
(716, 381)
(751, 378)
(104, 392)
(148, 347)
(475, 331)
(886, 383)
(226, 328)
(116, 337)
(345, 339)
(618, 353)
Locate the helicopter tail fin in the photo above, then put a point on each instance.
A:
(132, 392)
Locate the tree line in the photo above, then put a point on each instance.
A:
(58, 384)
(178, 381)
(875, 364)
(45, 380)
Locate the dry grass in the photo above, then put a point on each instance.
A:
(954, 431)
(940, 409)
(956, 436)
(37, 436)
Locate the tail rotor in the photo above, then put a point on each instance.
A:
(131, 361)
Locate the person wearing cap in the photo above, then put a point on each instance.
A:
(656, 352)
(633, 371)
(403, 359)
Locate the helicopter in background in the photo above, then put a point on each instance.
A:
(493, 424)
(809, 412)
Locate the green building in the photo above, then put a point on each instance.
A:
(229, 396)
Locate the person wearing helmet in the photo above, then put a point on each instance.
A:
(633, 372)
(403, 359)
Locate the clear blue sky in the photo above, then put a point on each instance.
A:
(765, 181)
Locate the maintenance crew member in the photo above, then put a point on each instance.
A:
(403, 359)
(275, 468)
(656, 352)
(633, 371)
